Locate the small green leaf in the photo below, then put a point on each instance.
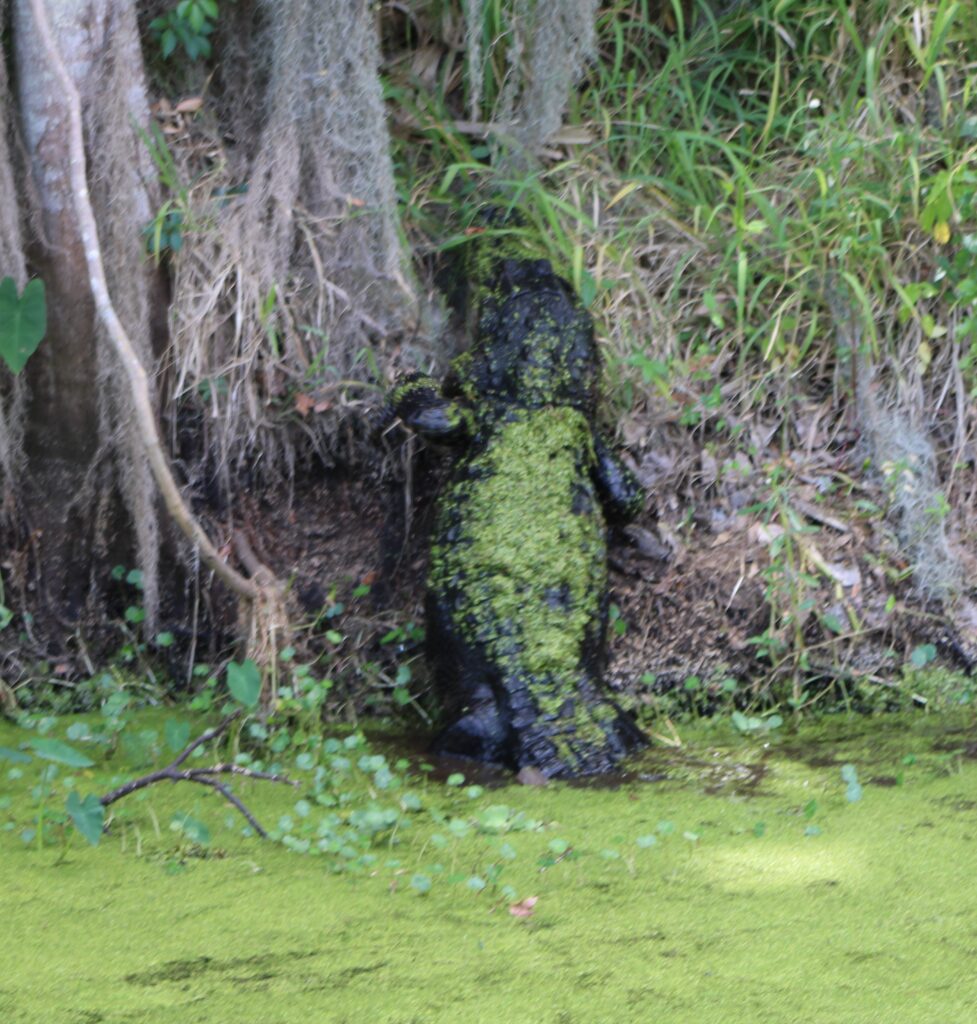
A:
(88, 815)
(459, 828)
(645, 842)
(14, 756)
(923, 655)
(196, 831)
(244, 682)
(810, 809)
(833, 623)
(60, 753)
(421, 883)
(455, 779)
(23, 321)
(177, 734)
(164, 639)
(494, 818)
(411, 802)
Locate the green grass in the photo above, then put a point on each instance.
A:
(766, 183)
(774, 218)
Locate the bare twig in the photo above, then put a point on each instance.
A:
(202, 776)
(207, 735)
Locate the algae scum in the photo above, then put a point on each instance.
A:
(818, 876)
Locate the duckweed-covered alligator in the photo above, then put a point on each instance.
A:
(517, 598)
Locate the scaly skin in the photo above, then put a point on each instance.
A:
(517, 584)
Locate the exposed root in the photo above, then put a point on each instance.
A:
(292, 276)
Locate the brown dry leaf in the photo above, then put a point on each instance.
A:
(765, 533)
(425, 62)
(531, 776)
(846, 575)
(304, 403)
(322, 405)
(571, 135)
(190, 105)
(524, 908)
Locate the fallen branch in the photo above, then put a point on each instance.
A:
(203, 776)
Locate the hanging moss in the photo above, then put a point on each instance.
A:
(547, 46)
(300, 269)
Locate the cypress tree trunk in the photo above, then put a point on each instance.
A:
(86, 498)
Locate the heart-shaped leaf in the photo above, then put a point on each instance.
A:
(23, 321)
(88, 816)
(244, 682)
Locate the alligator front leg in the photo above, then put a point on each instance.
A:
(418, 402)
(622, 497)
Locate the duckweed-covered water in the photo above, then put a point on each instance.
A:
(741, 883)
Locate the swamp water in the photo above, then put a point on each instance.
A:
(827, 875)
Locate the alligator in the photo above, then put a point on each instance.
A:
(517, 590)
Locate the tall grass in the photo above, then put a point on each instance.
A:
(771, 208)
(748, 175)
